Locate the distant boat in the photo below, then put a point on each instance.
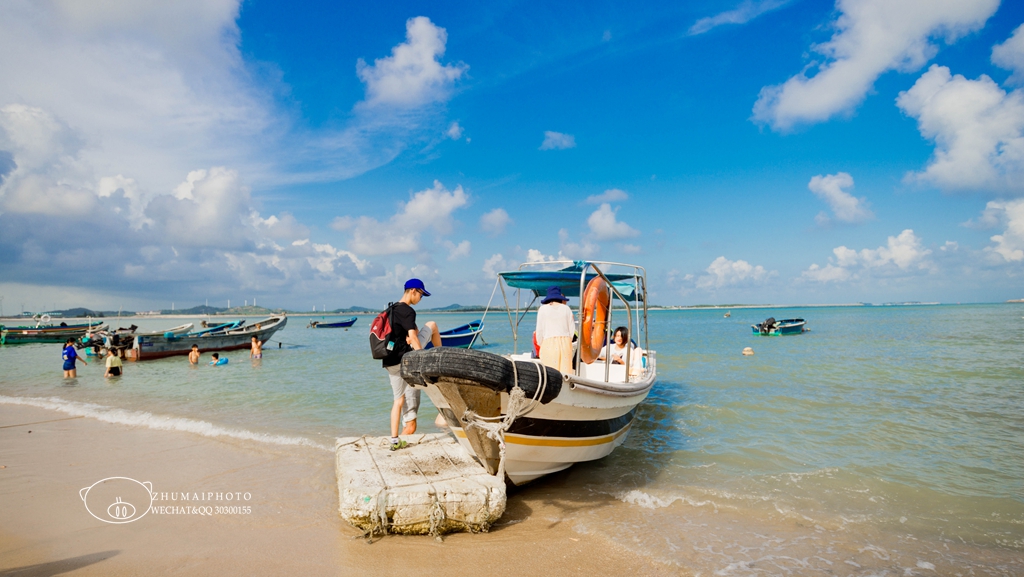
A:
(461, 337)
(774, 328)
(49, 333)
(728, 314)
(159, 346)
(338, 325)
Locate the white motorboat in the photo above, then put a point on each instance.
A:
(525, 420)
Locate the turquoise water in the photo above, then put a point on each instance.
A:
(886, 440)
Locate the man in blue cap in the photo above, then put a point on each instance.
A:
(403, 323)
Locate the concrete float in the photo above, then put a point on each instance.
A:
(431, 487)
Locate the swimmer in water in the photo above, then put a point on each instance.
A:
(217, 361)
(256, 352)
(193, 357)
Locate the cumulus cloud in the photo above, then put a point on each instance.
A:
(457, 251)
(428, 209)
(1008, 246)
(570, 249)
(630, 249)
(723, 272)
(604, 225)
(495, 222)
(412, 76)
(977, 128)
(1010, 55)
(902, 254)
(496, 263)
(872, 37)
(845, 207)
(557, 141)
(454, 131)
(745, 12)
(610, 195)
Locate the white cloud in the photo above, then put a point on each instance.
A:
(557, 141)
(872, 37)
(428, 209)
(534, 255)
(610, 195)
(454, 131)
(978, 130)
(901, 254)
(285, 227)
(412, 75)
(1010, 55)
(495, 222)
(496, 263)
(630, 249)
(605, 226)
(830, 273)
(1009, 246)
(724, 272)
(845, 207)
(745, 12)
(457, 251)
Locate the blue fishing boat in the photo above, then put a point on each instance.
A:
(774, 328)
(338, 325)
(461, 337)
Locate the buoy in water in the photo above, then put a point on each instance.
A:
(748, 351)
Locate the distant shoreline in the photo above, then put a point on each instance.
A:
(11, 321)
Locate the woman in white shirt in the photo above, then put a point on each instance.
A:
(555, 326)
(618, 348)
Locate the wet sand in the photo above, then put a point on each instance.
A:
(292, 528)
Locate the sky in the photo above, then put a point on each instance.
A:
(321, 153)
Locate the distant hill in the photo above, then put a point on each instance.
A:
(78, 312)
(199, 310)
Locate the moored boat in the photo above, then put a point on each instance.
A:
(335, 325)
(158, 346)
(461, 337)
(49, 333)
(546, 420)
(773, 328)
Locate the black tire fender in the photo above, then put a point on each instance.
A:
(423, 367)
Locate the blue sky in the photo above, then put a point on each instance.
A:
(322, 153)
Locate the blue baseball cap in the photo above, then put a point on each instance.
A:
(415, 283)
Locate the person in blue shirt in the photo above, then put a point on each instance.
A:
(70, 356)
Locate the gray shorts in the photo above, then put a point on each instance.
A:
(400, 388)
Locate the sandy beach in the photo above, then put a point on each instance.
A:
(292, 526)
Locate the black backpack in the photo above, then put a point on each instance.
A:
(381, 343)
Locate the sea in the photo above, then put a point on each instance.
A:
(884, 441)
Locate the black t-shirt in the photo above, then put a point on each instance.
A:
(403, 320)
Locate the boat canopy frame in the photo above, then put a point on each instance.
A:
(629, 286)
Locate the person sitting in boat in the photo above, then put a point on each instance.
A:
(618, 349)
(115, 368)
(217, 361)
(406, 337)
(555, 326)
(256, 352)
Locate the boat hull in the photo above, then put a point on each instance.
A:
(158, 347)
(26, 335)
(579, 423)
(337, 325)
(786, 327)
(461, 337)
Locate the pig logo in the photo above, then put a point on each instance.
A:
(118, 499)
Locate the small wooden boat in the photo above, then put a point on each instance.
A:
(338, 325)
(50, 333)
(217, 328)
(774, 328)
(159, 346)
(462, 337)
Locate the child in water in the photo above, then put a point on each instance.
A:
(193, 357)
(115, 368)
(70, 355)
(217, 361)
(257, 349)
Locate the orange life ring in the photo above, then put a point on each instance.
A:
(595, 319)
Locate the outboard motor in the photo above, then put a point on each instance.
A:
(768, 325)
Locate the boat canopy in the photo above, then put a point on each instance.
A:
(567, 280)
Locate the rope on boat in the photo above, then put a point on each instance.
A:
(518, 405)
